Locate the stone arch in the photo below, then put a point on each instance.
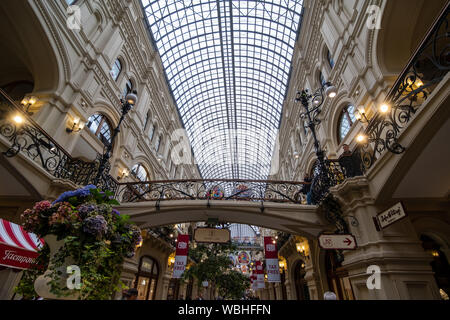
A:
(141, 158)
(340, 102)
(294, 264)
(436, 229)
(111, 113)
(34, 51)
(393, 49)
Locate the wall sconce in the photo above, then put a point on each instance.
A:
(296, 155)
(303, 248)
(360, 114)
(76, 126)
(18, 119)
(27, 102)
(361, 138)
(435, 253)
(139, 244)
(384, 108)
(123, 174)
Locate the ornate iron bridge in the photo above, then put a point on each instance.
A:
(427, 67)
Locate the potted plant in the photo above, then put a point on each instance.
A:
(82, 230)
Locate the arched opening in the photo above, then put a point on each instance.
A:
(411, 23)
(440, 264)
(27, 58)
(337, 277)
(146, 278)
(301, 288)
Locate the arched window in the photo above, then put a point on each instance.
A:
(346, 120)
(147, 117)
(151, 131)
(158, 143)
(139, 172)
(115, 70)
(330, 59)
(128, 87)
(147, 278)
(300, 139)
(100, 126)
(321, 78)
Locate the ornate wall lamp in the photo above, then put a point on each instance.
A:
(303, 248)
(360, 115)
(123, 174)
(27, 102)
(77, 126)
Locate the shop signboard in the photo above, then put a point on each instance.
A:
(181, 255)
(212, 235)
(390, 216)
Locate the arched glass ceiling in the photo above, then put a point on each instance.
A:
(228, 65)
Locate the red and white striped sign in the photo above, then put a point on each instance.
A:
(18, 248)
(271, 252)
(181, 255)
(259, 275)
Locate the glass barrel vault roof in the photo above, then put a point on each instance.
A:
(228, 65)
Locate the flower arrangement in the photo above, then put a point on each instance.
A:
(96, 237)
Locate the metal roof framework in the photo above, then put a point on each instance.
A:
(228, 65)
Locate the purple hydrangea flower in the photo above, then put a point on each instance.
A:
(80, 193)
(85, 209)
(116, 212)
(96, 226)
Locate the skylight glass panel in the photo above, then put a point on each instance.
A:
(227, 63)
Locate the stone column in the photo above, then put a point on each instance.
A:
(271, 293)
(182, 289)
(312, 280)
(166, 279)
(289, 293)
(279, 291)
(9, 279)
(405, 267)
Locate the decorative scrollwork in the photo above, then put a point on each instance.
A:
(426, 69)
(30, 140)
(212, 189)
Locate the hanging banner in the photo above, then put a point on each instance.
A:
(259, 275)
(181, 255)
(253, 281)
(271, 252)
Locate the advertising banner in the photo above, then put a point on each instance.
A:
(181, 255)
(259, 275)
(271, 253)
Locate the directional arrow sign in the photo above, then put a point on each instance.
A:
(337, 241)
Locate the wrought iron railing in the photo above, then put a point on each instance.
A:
(28, 138)
(165, 233)
(336, 171)
(426, 68)
(212, 189)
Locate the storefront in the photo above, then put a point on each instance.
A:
(147, 278)
(18, 251)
